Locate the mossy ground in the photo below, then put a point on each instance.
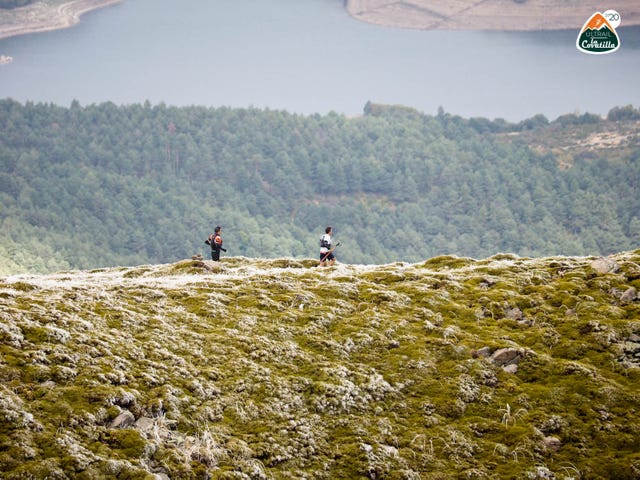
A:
(277, 369)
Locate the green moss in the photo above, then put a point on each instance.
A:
(49, 468)
(184, 267)
(37, 373)
(99, 270)
(322, 373)
(447, 262)
(23, 286)
(36, 334)
(291, 263)
(137, 272)
(626, 467)
(125, 443)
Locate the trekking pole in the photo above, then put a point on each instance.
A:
(327, 254)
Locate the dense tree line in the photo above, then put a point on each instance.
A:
(103, 185)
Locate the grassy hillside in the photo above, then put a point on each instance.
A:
(506, 367)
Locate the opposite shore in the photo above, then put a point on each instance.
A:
(46, 16)
(487, 15)
(530, 15)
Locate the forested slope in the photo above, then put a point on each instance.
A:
(104, 185)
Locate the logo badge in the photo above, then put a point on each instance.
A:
(598, 35)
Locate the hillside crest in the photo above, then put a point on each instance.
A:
(274, 368)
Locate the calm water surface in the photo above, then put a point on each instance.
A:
(309, 56)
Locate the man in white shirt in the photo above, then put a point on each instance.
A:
(326, 250)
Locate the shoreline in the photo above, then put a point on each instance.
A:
(486, 15)
(41, 17)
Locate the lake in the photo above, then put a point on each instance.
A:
(310, 56)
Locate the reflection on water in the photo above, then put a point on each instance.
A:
(309, 56)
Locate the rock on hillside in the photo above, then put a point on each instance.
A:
(506, 367)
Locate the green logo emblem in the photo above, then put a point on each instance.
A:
(598, 35)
